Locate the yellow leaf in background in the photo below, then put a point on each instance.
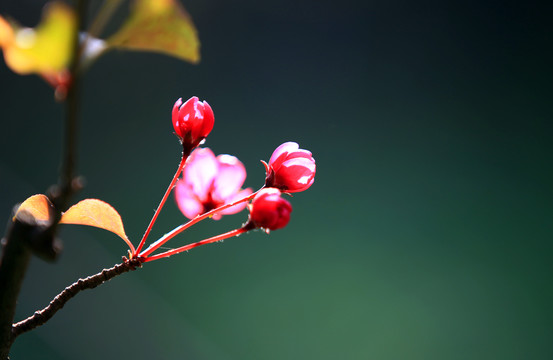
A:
(160, 26)
(45, 49)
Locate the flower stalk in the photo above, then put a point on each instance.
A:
(236, 232)
(179, 229)
(162, 203)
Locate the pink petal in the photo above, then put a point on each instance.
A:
(197, 120)
(237, 208)
(281, 152)
(209, 120)
(296, 174)
(187, 201)
(300, 153)
(200, 171)
(186, 113)
(230, 178)
(175, 113)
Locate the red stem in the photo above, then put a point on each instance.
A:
(216, 238)
(158, 210)
(155, 245)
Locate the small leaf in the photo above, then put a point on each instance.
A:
(160, 26)
(97, 213)
(38, 206)
(45, 49)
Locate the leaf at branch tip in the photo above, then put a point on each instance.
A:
(44, 49)
(97, 213)
(160, 26)
(38, 206)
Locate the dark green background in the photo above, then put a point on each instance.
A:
(426, 235)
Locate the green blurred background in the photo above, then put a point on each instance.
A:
(427, 233)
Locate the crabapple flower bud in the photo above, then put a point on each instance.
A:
(270, 211)
(290, 168)
(192, 121)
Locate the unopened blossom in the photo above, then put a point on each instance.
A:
(209, 182)
(269, 210)
(192, 121)
(290, 168)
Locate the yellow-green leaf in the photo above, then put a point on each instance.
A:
(97, 213)
(38, 206)
(160, 26)
(45, 49)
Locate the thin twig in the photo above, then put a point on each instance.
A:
(42, 316)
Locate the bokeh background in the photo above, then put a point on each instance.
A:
(427, 233)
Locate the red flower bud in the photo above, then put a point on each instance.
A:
(192, 121)
(290, 168)
(269, 211)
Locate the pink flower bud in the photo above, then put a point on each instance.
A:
(290, 168)
(192, 121)
(269, 211)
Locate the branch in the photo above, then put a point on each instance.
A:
(42, 316)
(68, 183)
(13, 265)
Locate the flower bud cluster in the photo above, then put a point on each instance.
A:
(211, 186)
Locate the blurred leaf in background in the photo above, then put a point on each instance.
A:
(160, 26)
(44, 49)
